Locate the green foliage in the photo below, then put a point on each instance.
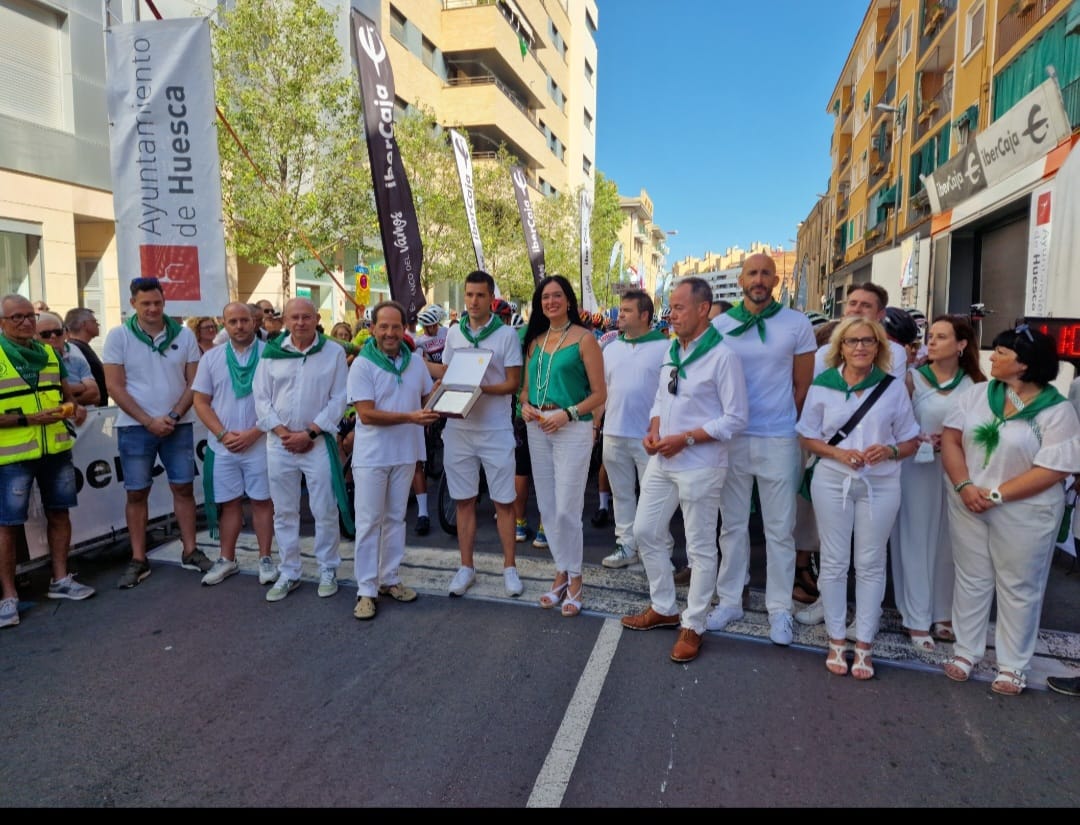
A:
(286, 89)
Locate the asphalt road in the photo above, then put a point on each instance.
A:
(174, 695)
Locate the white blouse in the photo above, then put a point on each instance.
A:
(932, 406)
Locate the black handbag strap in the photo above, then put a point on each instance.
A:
(856, 416)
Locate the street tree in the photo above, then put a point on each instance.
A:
(298, 175)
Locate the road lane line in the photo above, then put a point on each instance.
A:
(550, 786)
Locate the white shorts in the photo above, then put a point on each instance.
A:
(239, 474)
(463, 453)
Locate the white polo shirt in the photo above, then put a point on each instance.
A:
(490, 412)
(631, 373)
(212, 379)
(382, 445)
(767, 366)
(154, 380)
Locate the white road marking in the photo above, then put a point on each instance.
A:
(555, 774)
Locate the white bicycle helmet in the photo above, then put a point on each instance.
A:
(516, 321)
(367, 317)
(430, 316)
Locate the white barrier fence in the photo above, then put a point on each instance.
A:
(99, 516)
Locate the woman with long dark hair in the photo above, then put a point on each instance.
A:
(563, 386)
(921, 555)
(1007, 447)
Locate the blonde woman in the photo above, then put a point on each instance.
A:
(562, 387)
(856, 484)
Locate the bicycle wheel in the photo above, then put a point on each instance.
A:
(446, 507)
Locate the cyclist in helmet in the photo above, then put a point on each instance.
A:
(516, 321)
(900, 327)
(432, 340)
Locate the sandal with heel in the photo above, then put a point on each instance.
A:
(554, 596)
(959, 669)
(571, 605)
(836, 661)
(863, 668)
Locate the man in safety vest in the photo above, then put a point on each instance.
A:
(35, 445)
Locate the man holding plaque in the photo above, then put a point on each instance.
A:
(485, 436)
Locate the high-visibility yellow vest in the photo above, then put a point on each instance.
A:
(18, 398)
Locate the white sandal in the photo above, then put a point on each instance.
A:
(863, 668)
(961, 669)
(836, 661)
(1009, 683)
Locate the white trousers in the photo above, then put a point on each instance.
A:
(697, 492)
(560, 466)
(920, 550)
(846, 507)
(285, 470)
(1006, 552)
(381, 497)
(775, 463)
(625, 461)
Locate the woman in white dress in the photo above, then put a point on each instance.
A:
(1007, 447)
(856, 485)
(921, 555)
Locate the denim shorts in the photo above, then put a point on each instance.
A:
(55, 476)
(139, 448)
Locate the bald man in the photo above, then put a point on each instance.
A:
(300, 389)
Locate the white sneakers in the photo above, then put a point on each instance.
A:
(463, 580)
(512, 581)
(720, 617)
(811, 614)
(780, 628)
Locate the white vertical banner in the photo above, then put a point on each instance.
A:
(166, 174)
(909, 263)
(464, 167)
(588, 297)
(1038, 257)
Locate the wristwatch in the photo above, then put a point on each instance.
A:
(312, 434)
(690, 442)
(995, 496)
(174, 415)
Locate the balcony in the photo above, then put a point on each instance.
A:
(887, 32)
(932, 111)
(1071, 95)
(1016, 18)
(510, 120)
(936, 16)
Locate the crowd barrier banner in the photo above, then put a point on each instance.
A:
(100, 482)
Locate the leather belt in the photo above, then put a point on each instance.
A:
(550, 407)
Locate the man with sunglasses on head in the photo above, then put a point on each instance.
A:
(700, 405)
(776, 347)
(35, 445)
(150, 362)
(82, 328)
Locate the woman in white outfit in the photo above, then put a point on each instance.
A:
(922, 555)
(856, 484)
(1007, 447)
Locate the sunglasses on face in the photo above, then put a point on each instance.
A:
(1025, 330)
(51, 333)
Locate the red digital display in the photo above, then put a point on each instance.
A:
(1065, 331)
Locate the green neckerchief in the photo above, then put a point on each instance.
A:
(834, 380)
(241, 377)
(475, 340)
(928, 374)
(749, 319)
(337, 481)
(709, 339)
(988, 434)
(350, 347)
(28, 361)
(651, 335)
(380, 359)
(275, 347)
(172, 329)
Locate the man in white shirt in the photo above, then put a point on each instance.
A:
(699, 406)
(149, 364)
(868, 300)
(632, 373)
(388, 385)
(299, 391)
(485, 438)
(234, 465)
(776, 348)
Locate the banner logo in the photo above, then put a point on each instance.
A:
(1036, 125)
(465, 176)
(177, 267)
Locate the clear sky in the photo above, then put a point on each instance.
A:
(718, 109)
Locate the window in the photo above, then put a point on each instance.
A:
(588, 120)
(397, 24)
(974, 27)
(590, 23)
(427, 53)
(22, 270)
(32, 85)
(586, 165)
(556, 38)
(589, 71)
(905, 39)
